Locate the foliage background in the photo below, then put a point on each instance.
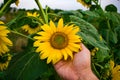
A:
(94, 24)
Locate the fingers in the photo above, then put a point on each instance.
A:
(59, 64)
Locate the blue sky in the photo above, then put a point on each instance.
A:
(62, 4)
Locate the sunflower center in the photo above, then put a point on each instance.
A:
(59, 40)
(3, 59)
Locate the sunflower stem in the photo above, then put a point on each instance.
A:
(15, 32)
(44, 16)
(96, 2)
(4, 7)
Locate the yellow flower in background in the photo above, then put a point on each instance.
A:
(35, 14)
(55, 43)
(17, 2)
(115, 70)
(94, 50)
(4, 41)
(4, 61)
(32, 28)
(85, 3)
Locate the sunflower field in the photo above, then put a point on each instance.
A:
(32, 41)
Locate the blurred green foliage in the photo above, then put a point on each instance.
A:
(99, 29)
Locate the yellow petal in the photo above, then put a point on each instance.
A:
(49, 59)
(44, 34)
(42, 38)
(75, 45)
(53, 27)
(7, 41)
(47, 29)
(112, 64)
(73, 48)
(3, 28)
(4, 48)
(1, 22)
(68, 29)
(116, 69)
(43, 46)
(63, 51)
(57, 56)
(73, 37)
(60, 25)
(69, 52)
(4, 32)
(75, 30)
(44, 55)
(36, 43)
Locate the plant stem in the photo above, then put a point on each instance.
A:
(15, 32)
(98, 5)
(108, 24)
(43, 15)
(4, 7)
(95, 71)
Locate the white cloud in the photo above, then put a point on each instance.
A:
(54, 4)
(62, 4)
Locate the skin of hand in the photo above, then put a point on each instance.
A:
(77, 69)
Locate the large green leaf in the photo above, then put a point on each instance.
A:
(113, 37)
(89, 33)
(91, 13)
(114, 17)
(26, 67)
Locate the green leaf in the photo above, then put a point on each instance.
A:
(66, 14)
(113, 37)
(91, 40)
(77, 13)
(89, 33)
(114, 17)
(91, 13)
(26, 67)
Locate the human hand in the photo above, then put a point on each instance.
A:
(77, 69)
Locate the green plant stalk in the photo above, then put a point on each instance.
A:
(96, 2)
(4, 7)
(109, 28)
(15, 32)
(107, 38)
(95, 71)
(108, 24)
(99, 65)
(44, 16)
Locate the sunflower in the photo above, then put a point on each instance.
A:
(115, 70)
(4, 41)
(4, 61)
(31, 27)
(17, 2)
(35, 14)
(55, 43)
(86, 3)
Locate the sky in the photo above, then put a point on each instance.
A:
(62, 4)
